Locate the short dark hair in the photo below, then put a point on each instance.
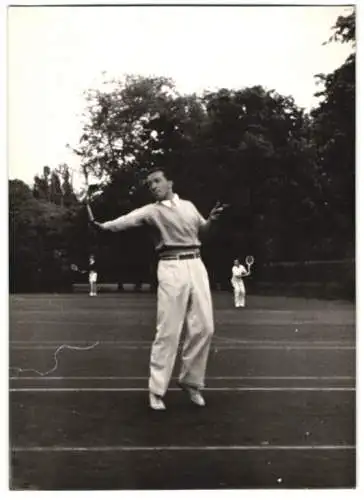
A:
(164, 171)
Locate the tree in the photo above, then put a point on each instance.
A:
(248, 147)
(56, 194)
(333, 132)
(69, 196)
(114, 134)
(344, 29)
(45, 238)
(41, 185)
(55, 186)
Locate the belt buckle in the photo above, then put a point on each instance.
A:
(182, 256)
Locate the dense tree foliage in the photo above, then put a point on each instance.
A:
(288, 176)
(333, 133)
(45, 235)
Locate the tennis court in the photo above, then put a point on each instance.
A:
(280, 397)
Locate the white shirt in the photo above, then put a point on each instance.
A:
(238, 272)
(172, 202)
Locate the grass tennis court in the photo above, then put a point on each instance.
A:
(280, 397)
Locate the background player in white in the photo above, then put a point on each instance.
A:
(238, 272)
(183, 286)
(92, 277)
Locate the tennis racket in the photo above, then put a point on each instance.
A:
(76, 269)
(91, 192)
(89, 212)
(249, 260)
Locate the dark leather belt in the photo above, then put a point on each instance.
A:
(181, 256)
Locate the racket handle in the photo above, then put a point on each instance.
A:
(90, 214)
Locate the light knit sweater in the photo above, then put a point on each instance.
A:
(175, 223)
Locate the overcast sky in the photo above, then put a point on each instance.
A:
(54, 54)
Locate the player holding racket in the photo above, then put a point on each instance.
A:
(92, 272)
(238, 272)
(92, 277)
(183, 286)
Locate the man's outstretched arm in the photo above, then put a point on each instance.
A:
(136, 218)
(246, 272)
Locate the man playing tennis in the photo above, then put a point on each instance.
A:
(238, 271)
(92, 277)
(183, 287)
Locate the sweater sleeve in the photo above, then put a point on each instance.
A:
(135, 218)
(201, 220)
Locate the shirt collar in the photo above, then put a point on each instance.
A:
(169, 203)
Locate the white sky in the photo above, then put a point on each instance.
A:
(54, 54)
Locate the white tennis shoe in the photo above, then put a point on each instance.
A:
(156, 402)
(194, 394)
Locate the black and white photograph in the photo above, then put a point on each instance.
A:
(182, 247)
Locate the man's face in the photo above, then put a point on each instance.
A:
(159, 186)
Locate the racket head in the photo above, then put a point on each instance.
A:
(249, 260)
(93, 190)
(74, 267)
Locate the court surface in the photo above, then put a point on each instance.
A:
(280, 397)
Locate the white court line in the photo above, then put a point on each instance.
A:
(207, 389)
(19, 449)
(345, 377)
(225, 340)
(232, 340)
(129, 322)
(220, 347)
(349, 310)
(80, 341)
(252, 322)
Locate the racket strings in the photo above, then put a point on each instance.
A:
(249, 259)
(55, 355)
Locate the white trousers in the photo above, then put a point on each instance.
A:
(92, 278)
(239, 292)
(183, 295)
